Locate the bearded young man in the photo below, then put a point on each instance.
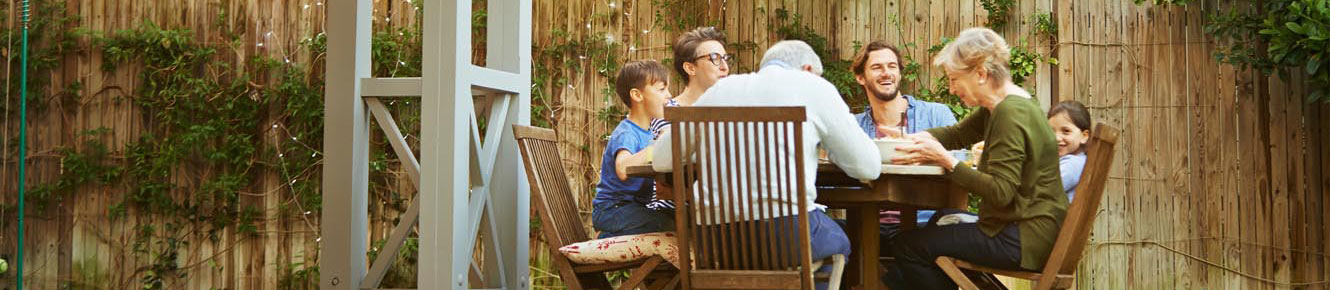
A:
(878, 69)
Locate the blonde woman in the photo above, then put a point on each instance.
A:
(1023, 203)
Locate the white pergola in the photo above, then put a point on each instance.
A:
(469, 188)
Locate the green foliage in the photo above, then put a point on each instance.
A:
(835, 70)
(91, 164)
(1296, 34)
(1024, 62)
(998, 12)
(678, 16)
(298, 276)
(567, 56)
(52, 39)
(1045, 25)
(202, 111)
(402, 273)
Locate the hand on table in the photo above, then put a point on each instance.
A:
(925, 151)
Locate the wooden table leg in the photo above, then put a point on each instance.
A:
(863, 219)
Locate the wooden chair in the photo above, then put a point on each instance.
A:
(561, 224)
(728, 237)
(1060, 270)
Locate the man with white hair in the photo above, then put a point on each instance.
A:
(790, 76)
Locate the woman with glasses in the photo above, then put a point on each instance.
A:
(701, 59)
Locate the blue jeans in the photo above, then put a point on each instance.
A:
(620, 218)
(826, 238)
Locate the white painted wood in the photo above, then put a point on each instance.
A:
(390, 87)
(493, 273)
(346, 134)
(489, 150)
(479, 175)
(393, 246)
(509, 49)
(446, 99)
(462, 186)
(497, 80)
(398, 141)
(408, 219)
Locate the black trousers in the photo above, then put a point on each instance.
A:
(916, 250)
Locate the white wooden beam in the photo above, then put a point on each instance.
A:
(346, 135)
(408, 219)
(444, 258)
(396, 139)
(497, 80)
(509, 49)
(407, 87)
(390, 87)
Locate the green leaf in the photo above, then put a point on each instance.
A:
(1312, 66)
(1295, 27)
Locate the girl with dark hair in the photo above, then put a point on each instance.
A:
(1071, 126)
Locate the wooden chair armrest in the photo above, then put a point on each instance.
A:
(1063, 281)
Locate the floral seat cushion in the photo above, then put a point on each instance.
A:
(624, 249)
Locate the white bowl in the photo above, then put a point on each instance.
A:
(888, 148)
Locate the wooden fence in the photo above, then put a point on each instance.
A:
(1221, 176)
(1220, 181)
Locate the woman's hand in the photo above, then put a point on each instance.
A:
(922, 135)
(925, 150)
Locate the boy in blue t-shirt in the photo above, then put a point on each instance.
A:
(620, 204)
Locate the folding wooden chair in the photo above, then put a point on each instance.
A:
(561, 225)
(728, 237)
(1060, 270)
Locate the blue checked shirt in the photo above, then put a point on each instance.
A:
(919, 116)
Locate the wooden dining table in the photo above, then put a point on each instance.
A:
(900, 187)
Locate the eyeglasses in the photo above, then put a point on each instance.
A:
(716, 58)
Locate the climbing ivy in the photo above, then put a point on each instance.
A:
(998, 12)
(566, 57)
(1295, 35)
(1045, 25)
(52, 39)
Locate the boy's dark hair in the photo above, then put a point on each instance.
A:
(1075, 111)
(637, 75)
(685, 47)
(861, 59)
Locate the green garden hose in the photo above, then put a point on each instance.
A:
(22, 141)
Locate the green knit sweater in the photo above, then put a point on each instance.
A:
(1018, 176)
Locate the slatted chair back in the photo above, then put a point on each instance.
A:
(553, 197)
(740, 188)
(1075, 231)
